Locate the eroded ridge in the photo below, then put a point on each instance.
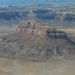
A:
(34, 27)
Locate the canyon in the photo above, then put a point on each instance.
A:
(62, 15)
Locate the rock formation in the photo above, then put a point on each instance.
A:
(33, 27)
(36, 41)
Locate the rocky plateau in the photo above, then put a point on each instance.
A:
(57, 15)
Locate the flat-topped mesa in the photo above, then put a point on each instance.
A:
(36, 28)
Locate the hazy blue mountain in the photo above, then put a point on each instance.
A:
(3, 2)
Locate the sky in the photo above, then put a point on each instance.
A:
(3, 2)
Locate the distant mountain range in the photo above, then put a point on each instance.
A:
(4, 2)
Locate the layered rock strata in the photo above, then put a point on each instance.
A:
(33, 27)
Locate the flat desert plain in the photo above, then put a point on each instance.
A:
(51, 67)
(6, 30)
(56, 66)
(70, 31)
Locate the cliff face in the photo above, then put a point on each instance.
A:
(33, 27)
(36, 41)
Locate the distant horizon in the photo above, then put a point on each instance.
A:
(30, 2)
(6, 5)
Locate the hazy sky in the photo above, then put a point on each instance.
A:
(34, 1)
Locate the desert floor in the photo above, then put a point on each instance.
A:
(52, 67)
(70, 31)
(6, 30)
